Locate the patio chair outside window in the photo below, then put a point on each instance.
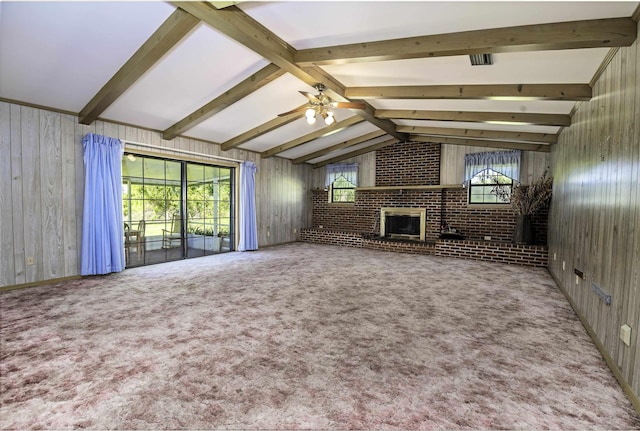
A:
(134, 241)
(173, 234)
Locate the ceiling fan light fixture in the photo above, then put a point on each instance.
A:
(311, 120)
(310, 113)
(329, 118)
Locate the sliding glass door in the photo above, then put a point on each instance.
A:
(175, 209)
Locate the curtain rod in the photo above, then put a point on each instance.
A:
(193, 153)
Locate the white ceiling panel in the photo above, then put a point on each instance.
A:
(327, 141)
(290, 132)
(279, 96)
(194, 72)
(529, 106)
(348, 150)
(311, 24)
(567, 66)
(480, 126)
(59, 54)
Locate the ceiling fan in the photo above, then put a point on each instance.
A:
(320, 105)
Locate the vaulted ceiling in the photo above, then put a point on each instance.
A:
(222, 72)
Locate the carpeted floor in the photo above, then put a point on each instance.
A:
(304, 336)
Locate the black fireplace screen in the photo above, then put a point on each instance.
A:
(401, 225)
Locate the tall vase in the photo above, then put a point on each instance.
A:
(524, 230)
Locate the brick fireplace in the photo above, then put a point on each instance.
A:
(418, 164)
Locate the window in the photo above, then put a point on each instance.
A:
(490, 176)
(490, 187)
(341, 181)
(342, 191)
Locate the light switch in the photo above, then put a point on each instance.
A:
(625, 334)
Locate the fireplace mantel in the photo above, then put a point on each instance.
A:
(431, 187)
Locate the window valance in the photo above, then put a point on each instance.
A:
(348, 171)
(505, 162)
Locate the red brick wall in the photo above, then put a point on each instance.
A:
(418, 164)
(494, 252)
(364, 214)
(531, 255)
(332, 237)
(408, 164)
(476, 223)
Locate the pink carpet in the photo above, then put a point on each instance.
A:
(304, 336)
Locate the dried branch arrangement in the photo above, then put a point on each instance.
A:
(527, 200)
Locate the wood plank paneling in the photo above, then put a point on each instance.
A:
(32, 205)
(51, 195)
(17, 195)
(7, 275)
(68, 149)
(595, 211)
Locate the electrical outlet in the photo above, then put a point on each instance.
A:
(268, 234)
(295, 230)
(29, 260)
(487, 238)
(554, 256)
(577, 279)
(563, 265)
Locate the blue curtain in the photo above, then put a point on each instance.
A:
(102, 224)
(248, 225)
(505, 162)
(347, 170)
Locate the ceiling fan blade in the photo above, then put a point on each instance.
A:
(293, 111)
(350, 105)
(310, 96)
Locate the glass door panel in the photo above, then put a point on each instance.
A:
(208, 222)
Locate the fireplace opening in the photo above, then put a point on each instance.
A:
(403, 223)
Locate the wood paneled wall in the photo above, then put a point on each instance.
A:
(594, 223)
(366, 172)
(532, 164)
(41, 190)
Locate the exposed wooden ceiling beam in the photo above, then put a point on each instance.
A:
(477, 133)
(228, 98)
(234, 23)
(161, 41)
(355, 153)
(595, 33)
(239, 26)
(476, 117)
(545, 148)
(341, 145)
(262, 129)
(574, 92)
(335, 127)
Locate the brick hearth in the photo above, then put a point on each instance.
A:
(505, 252)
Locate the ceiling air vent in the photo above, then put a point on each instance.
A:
(481, 59)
